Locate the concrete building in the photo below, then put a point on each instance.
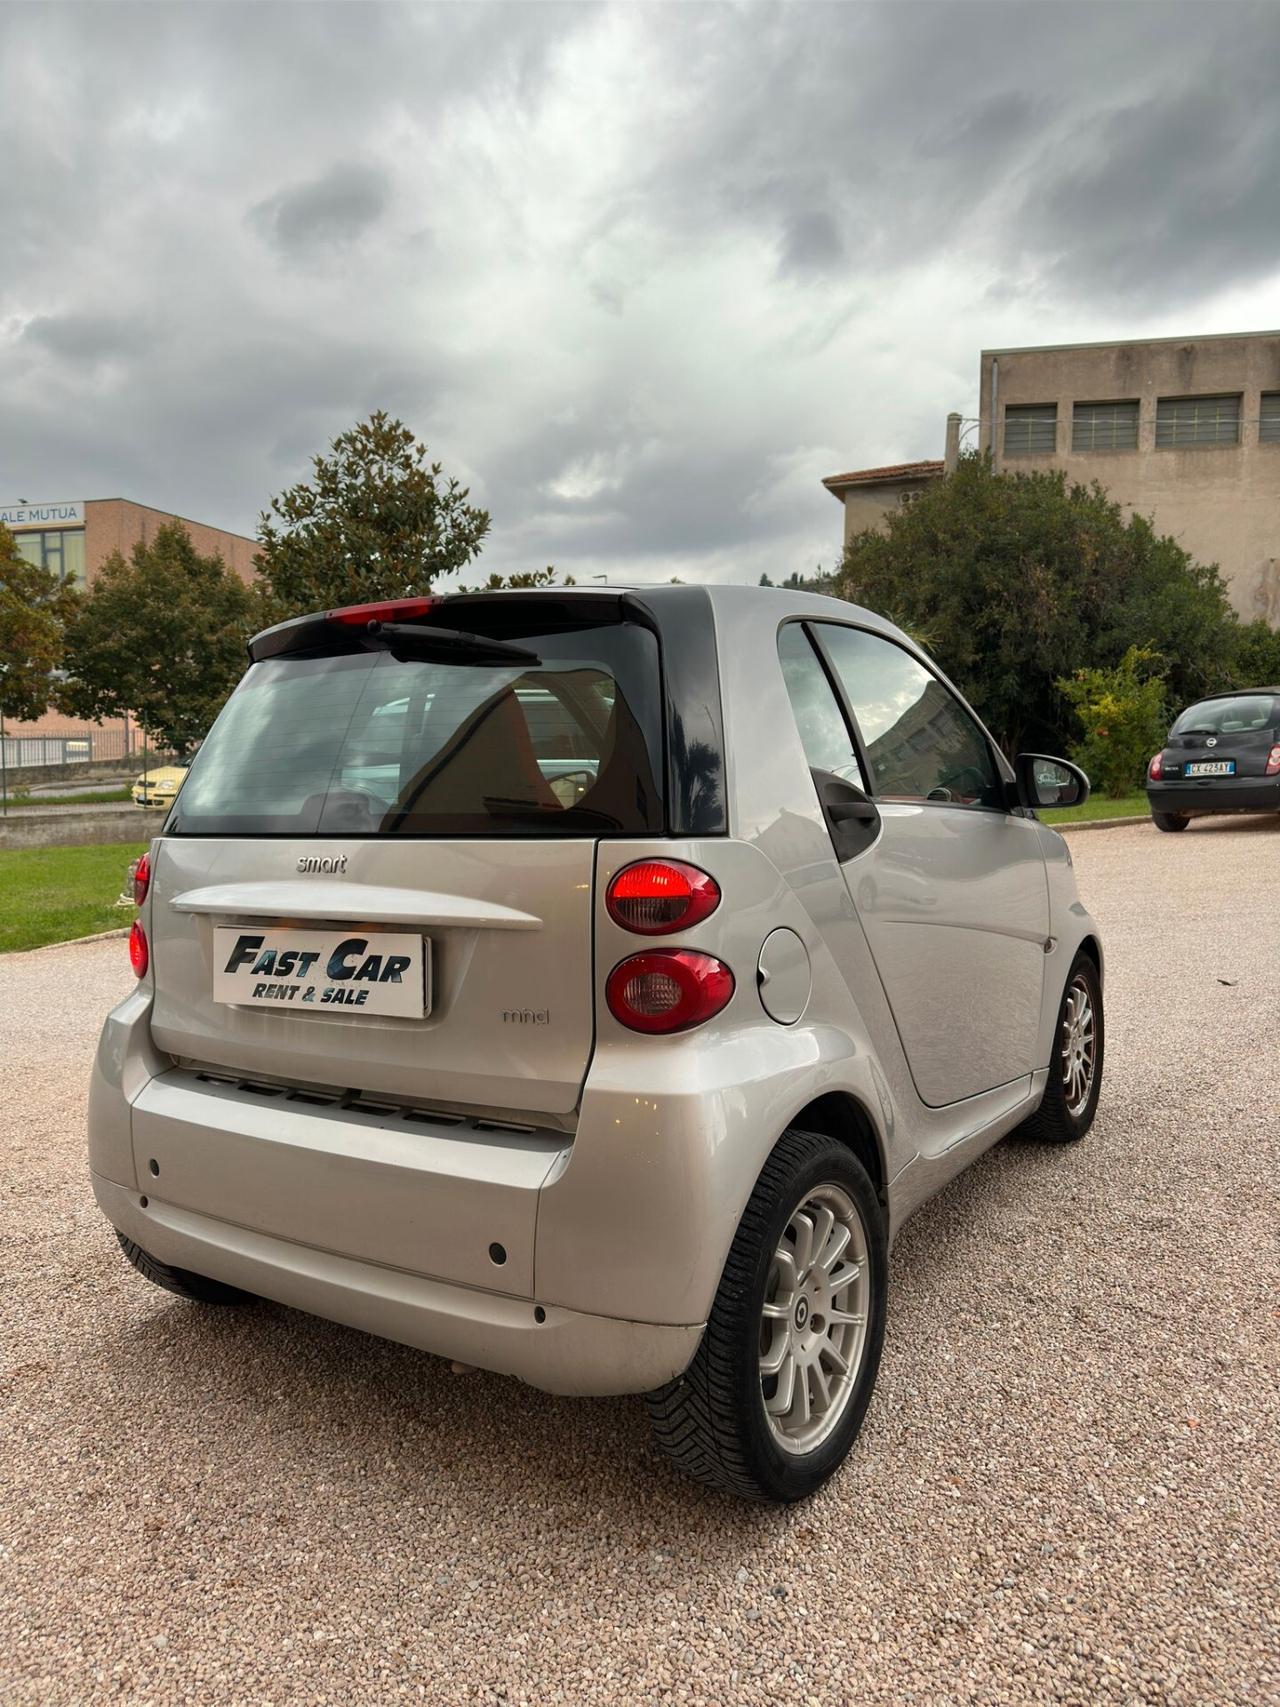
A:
(868, 494)
(1185, 430)
(75, 536)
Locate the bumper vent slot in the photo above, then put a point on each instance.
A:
(355, 1103)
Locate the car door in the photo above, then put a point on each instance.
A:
(949, 884)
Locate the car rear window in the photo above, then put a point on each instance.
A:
(1242, 714)
(367, 744)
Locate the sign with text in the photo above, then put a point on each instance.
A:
(60, 513)
(377, 972)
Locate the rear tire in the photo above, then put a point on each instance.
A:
(790, 1294)
(1170, 820)
(1068, 1107)
(197, 1287)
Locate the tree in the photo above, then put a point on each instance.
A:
(520, 581)
(1020, 580)
(819, 582)
(376, 522)
(162, 637)
(35, 608)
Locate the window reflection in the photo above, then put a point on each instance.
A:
(921, 742)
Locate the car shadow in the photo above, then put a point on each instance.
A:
(393, 1423)
(300, 1392)
(1263, 823)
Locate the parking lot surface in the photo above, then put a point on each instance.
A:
(1066, 1490)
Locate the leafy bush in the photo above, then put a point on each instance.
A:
(1121, 712)
(1257, 656)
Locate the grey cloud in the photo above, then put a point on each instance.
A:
(982, 128)
(811, 243)
(329, 211)
(1181, 191)
(678, 244)
(87, 338)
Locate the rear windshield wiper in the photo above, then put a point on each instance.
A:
(1197, 730)
(449, 645)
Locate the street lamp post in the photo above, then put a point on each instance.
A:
(4, 757)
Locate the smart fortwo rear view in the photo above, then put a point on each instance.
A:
(586, 985)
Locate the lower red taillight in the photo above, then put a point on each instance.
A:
(1273, 761)
(1155, 770)
(668, 989)
(139, 953)
(141, 879)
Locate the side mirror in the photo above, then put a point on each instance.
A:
(1044, 781)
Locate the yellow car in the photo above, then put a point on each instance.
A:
(158, 787)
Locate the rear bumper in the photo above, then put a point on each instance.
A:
(1216, 794)
(362, 1216)
(564, 1352)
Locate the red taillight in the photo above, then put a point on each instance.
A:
(141, 879)
(668, 989)
(385, 610)
(657, 896)
(139, 954)
(1273, 760)
(1155, 770)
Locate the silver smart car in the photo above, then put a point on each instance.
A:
(587, 985)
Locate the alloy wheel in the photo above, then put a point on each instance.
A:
(813, 1324)
(1079, 1046)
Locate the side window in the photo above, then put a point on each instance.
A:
(828, 745)
(921, 743)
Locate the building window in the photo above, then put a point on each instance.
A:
(58, 549)
(1269, 420)
(1104, 426)
(1198, 421)
(1030, 429)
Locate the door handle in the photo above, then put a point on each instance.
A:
(852, 811)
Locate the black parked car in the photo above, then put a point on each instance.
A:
(1222, 755)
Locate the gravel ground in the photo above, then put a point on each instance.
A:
(1066, 1490)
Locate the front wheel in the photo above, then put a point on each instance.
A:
(777, 1391)
(181, 1281)
(1075, 1068)
(1170, 820)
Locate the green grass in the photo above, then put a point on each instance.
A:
(1098, 806)
(53, 894)
(102, 799)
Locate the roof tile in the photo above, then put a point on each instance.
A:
(892, 471)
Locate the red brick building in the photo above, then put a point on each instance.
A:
(74, 537)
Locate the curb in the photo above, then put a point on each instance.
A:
(76, 941)
(1097, 824)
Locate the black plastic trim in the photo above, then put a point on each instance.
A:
(682, 619)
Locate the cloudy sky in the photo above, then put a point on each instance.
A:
(639, 274)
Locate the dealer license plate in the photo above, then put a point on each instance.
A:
(1212, 767)
(353, 971)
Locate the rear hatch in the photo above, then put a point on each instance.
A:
(378, 874)
(1222, 738)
